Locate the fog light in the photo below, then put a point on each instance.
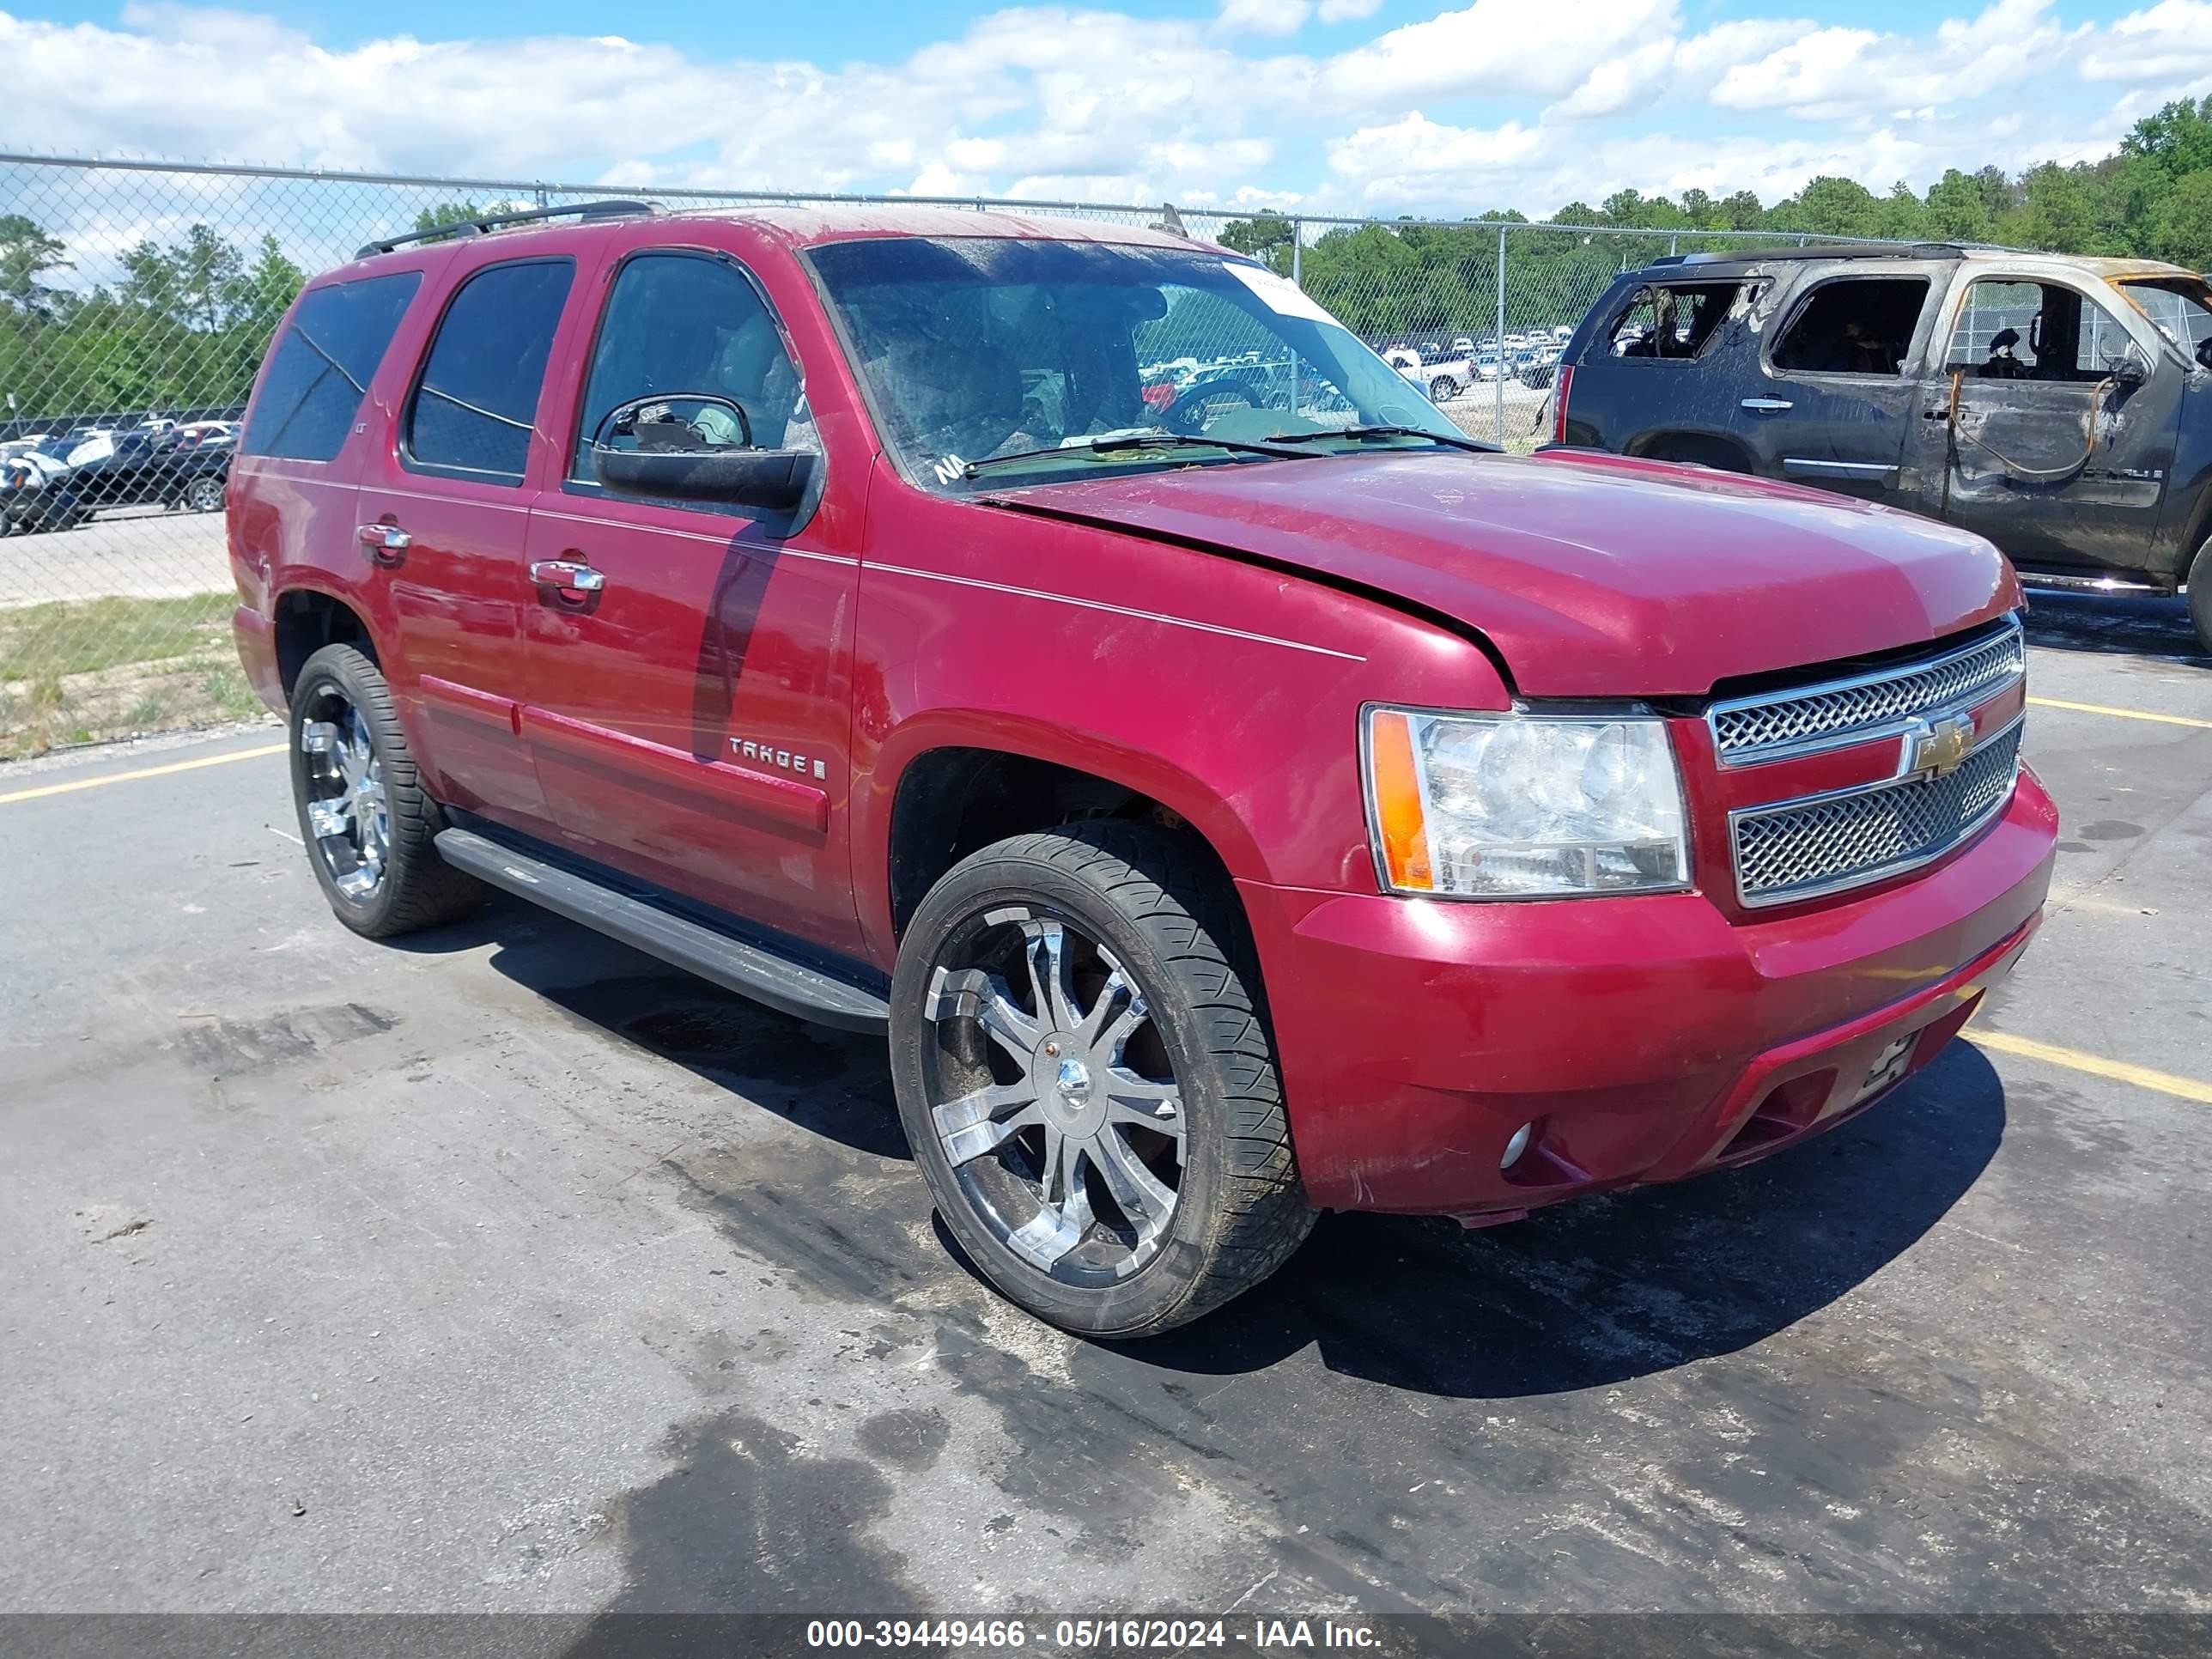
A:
(1516, 1146)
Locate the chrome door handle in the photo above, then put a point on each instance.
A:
(1765, 405)
(388, 543)
(571, 575)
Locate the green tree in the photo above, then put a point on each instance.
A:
(2182, 231)
(27, 253)
(1267, 237)
(261, 295)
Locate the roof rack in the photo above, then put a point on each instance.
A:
(490, 222)
(1824, 250)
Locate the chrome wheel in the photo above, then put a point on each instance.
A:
(347, 812)
(205, 495)
(1053, 1098)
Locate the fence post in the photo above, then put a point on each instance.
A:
(1298, 251)
(1501, 334)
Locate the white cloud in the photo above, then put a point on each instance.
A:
(2171, 41)
(1545, 47)
(1829, 72)
(1276, 17)
(1214, 108)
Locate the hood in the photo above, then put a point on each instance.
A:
(1593, 575)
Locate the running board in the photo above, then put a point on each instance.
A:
(751, 971)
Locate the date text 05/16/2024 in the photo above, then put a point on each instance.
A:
(1074, 1636)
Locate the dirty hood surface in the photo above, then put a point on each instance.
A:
(1593, 576)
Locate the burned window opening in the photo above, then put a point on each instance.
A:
(1854, 325)
(2021, 330)
(1670, 321)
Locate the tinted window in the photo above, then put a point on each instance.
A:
(1854, 325)
(473, 412)
(686, 322)
(321, 365)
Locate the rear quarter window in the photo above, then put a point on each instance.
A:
(1671, 321)
(320, 365)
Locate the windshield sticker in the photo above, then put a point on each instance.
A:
(949, 470)
(1279, 293)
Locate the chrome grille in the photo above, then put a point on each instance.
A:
(1801, 849)
(1775, 724)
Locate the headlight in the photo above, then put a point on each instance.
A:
(1523, 806)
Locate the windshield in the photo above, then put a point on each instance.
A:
(975, 347)
(2180, 306)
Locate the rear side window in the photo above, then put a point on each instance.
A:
(321, 364)
(1671, 320)
(1854, 325)
(477, 402)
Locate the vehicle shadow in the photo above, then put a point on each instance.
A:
(1598, 1291)
(831, 1082)
(1587, 1294)
(2121, 624)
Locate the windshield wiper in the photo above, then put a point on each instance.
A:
(1475, 446)
(1108, 443)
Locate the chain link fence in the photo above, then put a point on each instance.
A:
(135, 299)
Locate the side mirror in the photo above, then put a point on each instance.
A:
(696, 446)
(2129, 373)
(2204, 351)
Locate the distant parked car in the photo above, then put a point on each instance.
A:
(143, 469)
(1443, 380)
(32, 495)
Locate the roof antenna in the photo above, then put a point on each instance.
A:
(1170, 221)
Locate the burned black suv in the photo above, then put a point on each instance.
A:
(2062, 407)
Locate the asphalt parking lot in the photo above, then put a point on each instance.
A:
(505, 1270)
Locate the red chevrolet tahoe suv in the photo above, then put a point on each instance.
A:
(1066, 650)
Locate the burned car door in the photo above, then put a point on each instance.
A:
(2051, 423)
(1832, 400)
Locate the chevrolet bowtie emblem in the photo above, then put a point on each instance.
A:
(1938, 747)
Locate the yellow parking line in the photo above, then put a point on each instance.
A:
(2119, 1071)
(75, 784)
(2120, 713)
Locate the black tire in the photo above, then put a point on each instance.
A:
(1173, 927)
(204, 495)
(417, 888)
(2200, 597)
(1442, 389)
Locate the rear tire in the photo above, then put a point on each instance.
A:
(369, 826)
(1118, 1160)
(205, 495)
(1442, 389)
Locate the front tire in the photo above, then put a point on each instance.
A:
(1089, 1089)
(369, 825)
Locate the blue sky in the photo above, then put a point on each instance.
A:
(1350, 106)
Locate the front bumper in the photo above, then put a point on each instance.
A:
(1646, 1038)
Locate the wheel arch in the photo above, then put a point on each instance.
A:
(951, 787)
(1713, 449)
(303, 619)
